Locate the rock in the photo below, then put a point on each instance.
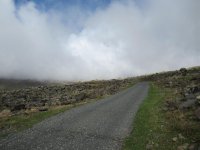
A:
(198, 99)
(80, 96)
(71, 101)
(197, 113)
(33, 104)
(55, 102)
(174, 139)
(189, 96)
(43, 101)
(64, 98)
(194, 89)
(183, 71)
(18, 107)
(183, 147)
(5, 112)
(188, 104)
(43, 109)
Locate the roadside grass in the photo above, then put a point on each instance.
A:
(16, 123)
(151, 128)
(12, 124)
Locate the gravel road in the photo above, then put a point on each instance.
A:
(101, 125)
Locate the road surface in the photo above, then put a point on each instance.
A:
(101, 125)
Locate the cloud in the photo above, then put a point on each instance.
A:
(121, 40)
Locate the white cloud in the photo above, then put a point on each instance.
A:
(118, 41)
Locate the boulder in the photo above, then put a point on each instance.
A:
(187, 104)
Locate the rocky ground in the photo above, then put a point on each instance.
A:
(182, 106)
(186, 89)
(17, 101)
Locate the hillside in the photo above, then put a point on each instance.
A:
(180, 105)
(48, 95)
(169, 118)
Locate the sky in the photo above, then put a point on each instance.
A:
(97, 39)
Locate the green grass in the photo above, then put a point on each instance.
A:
(20, 122)
(150, 126)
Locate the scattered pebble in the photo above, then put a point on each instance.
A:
(174, 139)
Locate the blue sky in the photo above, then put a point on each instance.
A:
(60, 4)
(90, 5)
(73, 9)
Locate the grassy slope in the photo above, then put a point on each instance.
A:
(150, 125)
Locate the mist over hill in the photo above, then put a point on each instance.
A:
(67, 40)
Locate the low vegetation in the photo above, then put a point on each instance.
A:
(15, 123)
(23, 107)
(169, 118)
(25, 120)
(55, 95)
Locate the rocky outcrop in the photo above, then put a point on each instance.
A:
(45, 96)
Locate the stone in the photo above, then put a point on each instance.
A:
(18, 107)
(5, 112)
(189, 96)
(71, 101)
(174, 139)
(194, 89)
(198, 99)
(187, 104)
(80, 96)
(43, 109)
